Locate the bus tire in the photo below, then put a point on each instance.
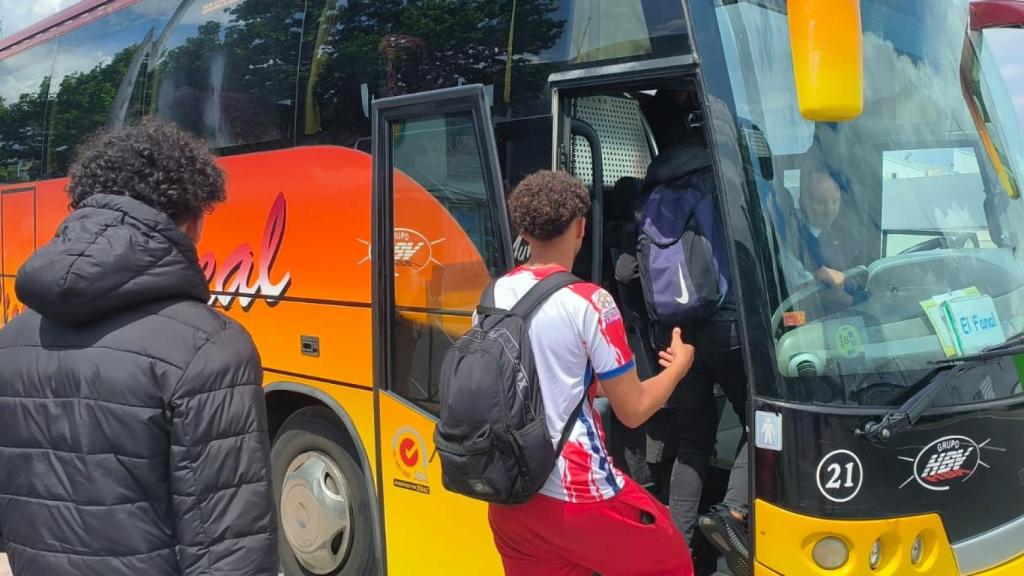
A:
(322, 500)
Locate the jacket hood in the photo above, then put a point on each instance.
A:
(111, 254)
(676, 162)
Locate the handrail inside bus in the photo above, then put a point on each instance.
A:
(586, 131)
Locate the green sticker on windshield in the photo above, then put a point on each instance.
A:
(848, 340)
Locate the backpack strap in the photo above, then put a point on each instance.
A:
(541, 292)
(571, 422)
(487, 298)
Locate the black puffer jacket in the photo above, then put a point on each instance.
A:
(133, 434)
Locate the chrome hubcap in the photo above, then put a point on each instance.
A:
(316, 513)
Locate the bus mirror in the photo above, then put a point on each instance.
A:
(825, 37)
(996, 14)
(996, 27)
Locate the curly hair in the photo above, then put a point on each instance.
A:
(545, 203)
(154, 162)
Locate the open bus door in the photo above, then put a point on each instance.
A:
(440, 233)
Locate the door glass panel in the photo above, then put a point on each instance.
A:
(446, 244)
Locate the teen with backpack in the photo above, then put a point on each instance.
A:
(684, 270)
(544, 344)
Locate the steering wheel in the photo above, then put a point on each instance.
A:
(946, 241)
(858, 274)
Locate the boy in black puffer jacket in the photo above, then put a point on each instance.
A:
(133, 432)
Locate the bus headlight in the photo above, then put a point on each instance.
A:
(915, 550)
(830, 553)
(875, 557)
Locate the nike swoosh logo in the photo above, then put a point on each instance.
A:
(684, 296)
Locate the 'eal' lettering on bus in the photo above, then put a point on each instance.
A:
(231, 279)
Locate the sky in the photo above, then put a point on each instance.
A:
(18, 14)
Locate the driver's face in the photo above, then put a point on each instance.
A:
(820, 203)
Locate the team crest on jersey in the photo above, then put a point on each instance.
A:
(946, 462)
(606, 304)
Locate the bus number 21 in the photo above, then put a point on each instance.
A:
(836, 472)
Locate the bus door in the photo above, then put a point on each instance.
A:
(611, 124)
(440, 233)
(17, 242)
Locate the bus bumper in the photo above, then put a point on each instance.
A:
(779, 533)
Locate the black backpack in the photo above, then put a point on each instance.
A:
(492, 436)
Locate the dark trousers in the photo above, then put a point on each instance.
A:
(692, 426)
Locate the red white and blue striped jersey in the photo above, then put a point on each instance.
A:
(575, 335)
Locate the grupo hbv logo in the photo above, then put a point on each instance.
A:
(947, 461)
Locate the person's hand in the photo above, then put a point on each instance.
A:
(678, 357)
(833, 278)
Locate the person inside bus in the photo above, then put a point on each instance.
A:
(828, 243)
(688, 427)
(135, 437)
(588, 517)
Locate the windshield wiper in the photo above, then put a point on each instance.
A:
(945, 371)
(904, 417)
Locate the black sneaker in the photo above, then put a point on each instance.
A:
(729, 535)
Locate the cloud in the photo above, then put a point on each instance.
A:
(19, 14)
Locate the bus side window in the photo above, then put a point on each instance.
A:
(91, 65)
(337, 79)
(229, 74)
(23, 97)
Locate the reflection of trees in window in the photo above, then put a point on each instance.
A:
(233, 82)
(21, 134)
(81, 105)
(366, 48)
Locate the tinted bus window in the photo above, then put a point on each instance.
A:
(24, 86)
(91, 68)
(357, 50)
(228, 73)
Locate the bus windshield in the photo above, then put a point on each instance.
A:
(891, 241)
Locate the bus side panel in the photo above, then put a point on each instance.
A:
(17, 206)
(429, 530)
(296, 225)
(52, 207)
(6, 301)
(338, 340)
(288, 255)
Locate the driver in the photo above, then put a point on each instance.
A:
(828, 243)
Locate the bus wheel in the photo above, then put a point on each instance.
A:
(323, 502)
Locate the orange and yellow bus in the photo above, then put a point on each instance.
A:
(369, 146)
